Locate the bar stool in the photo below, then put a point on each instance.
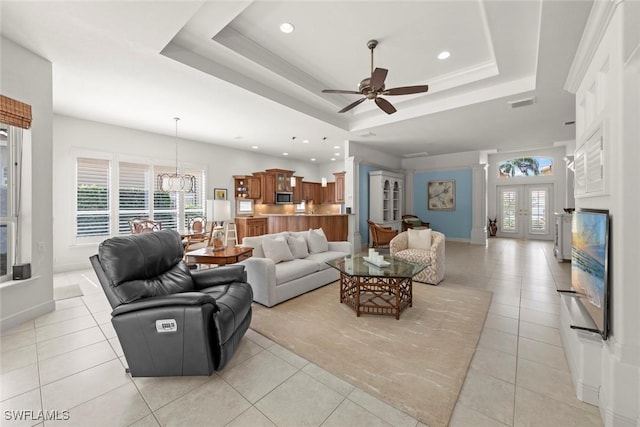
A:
(230, 233)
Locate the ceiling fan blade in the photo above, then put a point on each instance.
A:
(385, 105)
(353, 104)
(406, 90)
(377, 78)
(351, 92)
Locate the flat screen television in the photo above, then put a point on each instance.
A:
(589, 265)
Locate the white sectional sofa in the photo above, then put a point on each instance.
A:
(277, 276)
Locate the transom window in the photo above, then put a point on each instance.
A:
(525, 166)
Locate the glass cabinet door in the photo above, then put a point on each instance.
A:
(386, 201)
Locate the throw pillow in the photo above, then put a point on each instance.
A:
(317, 241)
(419, 239)
(298, 246)
(276, 249)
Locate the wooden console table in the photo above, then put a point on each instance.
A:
(228, 255)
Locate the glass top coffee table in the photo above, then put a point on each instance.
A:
(370, 289)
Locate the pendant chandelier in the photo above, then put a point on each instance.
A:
(172, 182)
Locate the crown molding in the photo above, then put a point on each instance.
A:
(601, 13)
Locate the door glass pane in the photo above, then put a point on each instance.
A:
(538, 211)
(509, 210)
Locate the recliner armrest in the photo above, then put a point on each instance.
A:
(185, 298)
(218, 276)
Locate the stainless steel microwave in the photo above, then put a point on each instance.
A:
(284, 197)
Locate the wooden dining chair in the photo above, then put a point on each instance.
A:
(138, 226)
(197, 233)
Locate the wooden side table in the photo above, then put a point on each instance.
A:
(228, 255)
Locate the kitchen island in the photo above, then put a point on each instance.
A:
(334, 225)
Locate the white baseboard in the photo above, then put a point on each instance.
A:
(612, 419)
(26, 315)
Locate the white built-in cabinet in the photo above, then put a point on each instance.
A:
(385, 198)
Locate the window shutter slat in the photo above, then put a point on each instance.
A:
(92, 197)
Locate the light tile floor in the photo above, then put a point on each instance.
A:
(70, 360)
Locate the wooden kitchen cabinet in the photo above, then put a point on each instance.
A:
(249, 227)
(267, 187)
(297, 190)
(308, 191)
(329, 193)
(282, 179)
(246, 187)
(339, 187)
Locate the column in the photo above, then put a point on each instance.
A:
(351, 195)
(479, 204)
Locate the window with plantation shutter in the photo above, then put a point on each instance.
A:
(165, 205)
(133, 194)
(92, 197)
(194, 202)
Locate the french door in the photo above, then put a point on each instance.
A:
(524, 211)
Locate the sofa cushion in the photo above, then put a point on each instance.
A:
(419, 239)
(322, 258)
(294, 269)
(256, 242)
(298, 246)
(317, 241)
(276, 249)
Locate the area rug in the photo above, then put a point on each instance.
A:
(416, 364)
(67, 291)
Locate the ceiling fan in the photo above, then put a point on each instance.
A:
(372, 87)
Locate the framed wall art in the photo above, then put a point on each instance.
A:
(441, 195)
(219, 194)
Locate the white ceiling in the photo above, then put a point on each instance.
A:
(235, 79)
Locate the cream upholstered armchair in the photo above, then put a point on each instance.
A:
(434, 256)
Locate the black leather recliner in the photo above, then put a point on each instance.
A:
(171, 320)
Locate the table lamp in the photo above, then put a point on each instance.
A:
(221, 213)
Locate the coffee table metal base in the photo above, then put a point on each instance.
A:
(386, 296)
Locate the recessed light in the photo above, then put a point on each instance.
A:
(444, 55)
(285, 154)
(287, 27)
(336, 147)
(336, 154)
(305, 141)
(333, 159)
(313, 159)
(255, 147)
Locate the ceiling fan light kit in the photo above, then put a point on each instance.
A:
(372, 87)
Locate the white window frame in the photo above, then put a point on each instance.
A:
(108, 212)
(114, 193)
(10, 220)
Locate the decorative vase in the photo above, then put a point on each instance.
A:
(493, 227)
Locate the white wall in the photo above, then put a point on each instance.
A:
(443, 162)
(73, 136)
(606, 79)
(371, 156)
(27, 78)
